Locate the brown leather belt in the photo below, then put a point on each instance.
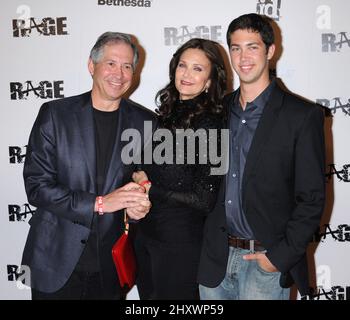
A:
(252, 245)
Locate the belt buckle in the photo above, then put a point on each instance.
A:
(251, 246)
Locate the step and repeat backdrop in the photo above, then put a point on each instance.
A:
(44, 52)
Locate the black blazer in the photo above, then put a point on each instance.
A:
(283, 191)
(60, 180)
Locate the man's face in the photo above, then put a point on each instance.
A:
(112, 75)
(249, 57)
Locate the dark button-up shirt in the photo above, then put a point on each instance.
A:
(242, 124)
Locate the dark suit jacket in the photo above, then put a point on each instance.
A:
(60, 174)
(282, 191)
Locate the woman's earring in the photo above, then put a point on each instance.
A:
(206, 90)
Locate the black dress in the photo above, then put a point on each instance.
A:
(168, 240)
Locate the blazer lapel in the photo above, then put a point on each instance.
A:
(85, 121)
(263, 131)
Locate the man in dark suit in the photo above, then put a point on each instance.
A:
(75, 176)
(272, 197)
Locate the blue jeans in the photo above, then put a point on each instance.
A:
(245, 280)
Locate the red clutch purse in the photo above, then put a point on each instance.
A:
(124, 258)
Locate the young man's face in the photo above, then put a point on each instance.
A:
(249, 57)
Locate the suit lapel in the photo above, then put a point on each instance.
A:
(115, 170)
(263, 131)
(85, 121)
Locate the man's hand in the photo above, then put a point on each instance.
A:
(262, 261)
(129, 196)
(139, 212)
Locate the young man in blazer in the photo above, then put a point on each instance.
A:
(75, 176)
(272, 197)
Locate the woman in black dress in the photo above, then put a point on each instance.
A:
(168, 240)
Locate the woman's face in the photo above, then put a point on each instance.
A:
(192, 73)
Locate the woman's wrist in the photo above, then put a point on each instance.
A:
(147, 187)
(146, 184)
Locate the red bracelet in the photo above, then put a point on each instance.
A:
(142, 183)
(100, 205)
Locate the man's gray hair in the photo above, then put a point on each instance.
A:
(112, 37)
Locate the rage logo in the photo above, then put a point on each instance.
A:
(174, 36)
(45, 27)
(17, 154)
(334, 293)
(20, 274)
(44, 90)
(20, 213)
(336, 104)
(342, 174)
(334, 42)
(340, 234)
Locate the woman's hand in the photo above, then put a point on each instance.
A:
(139, 176)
